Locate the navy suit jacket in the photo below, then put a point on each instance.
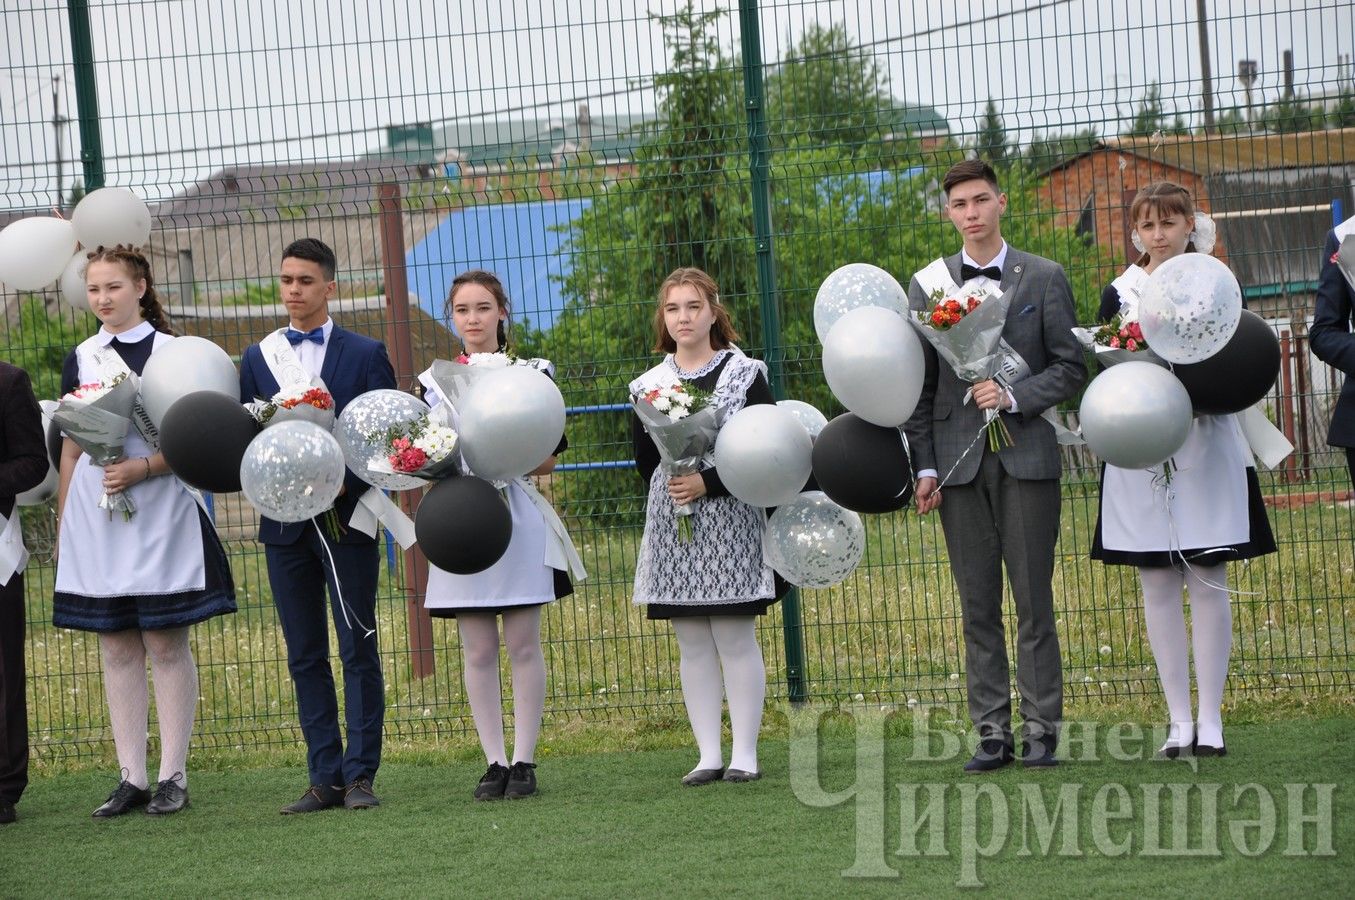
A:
(1333, 343)
(354, 364)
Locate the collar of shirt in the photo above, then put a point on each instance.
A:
(131, 336)
(1000, 260)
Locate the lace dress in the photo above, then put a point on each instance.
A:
(720, 571)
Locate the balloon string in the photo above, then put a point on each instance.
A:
(982, 435)
(1162, 481)
(338, 589)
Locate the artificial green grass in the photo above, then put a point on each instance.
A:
(618, 823)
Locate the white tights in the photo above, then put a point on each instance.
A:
(176, 698)
(1212, 637)
(480, 646)
(715, 649)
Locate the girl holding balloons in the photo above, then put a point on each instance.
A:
(713, 584)
(533, 571)
(138, 582)
(1181, 527)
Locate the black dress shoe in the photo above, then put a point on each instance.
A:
(698, 777)
(1038, 754)
(125, 798)
(7, 814)
(1210, 750)
(170, 797)
(316, 798)
(358, 795)
(991, 755)
(493, 783)
(521, 781)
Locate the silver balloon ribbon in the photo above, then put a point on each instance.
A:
(13, 556)
(560, 551)
(1163, 481)
(338, 586)
(375, 508)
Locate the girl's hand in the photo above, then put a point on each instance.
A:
(124, 473)
(686, 488)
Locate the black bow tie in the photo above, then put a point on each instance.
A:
(967, 272)
(295, 337)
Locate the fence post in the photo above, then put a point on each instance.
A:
(759, 157)
(86, 98)
(402, 352)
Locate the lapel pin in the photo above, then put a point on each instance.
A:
(1016, 269)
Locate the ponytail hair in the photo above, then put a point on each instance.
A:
(139, 268)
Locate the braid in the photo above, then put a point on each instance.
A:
(139, 268)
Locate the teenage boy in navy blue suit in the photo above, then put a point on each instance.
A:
(1333, 343)
(299, 555)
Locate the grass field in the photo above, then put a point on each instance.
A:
(619, 824)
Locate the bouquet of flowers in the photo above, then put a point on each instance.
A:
(312, 404)
(682, 423)
(454, 379)
(97, 416)
(1119, 340)
(425, 449)
(967, 333)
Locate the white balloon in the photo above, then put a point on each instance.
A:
(511, 421)
(292, 472)
(34, 252)
(181, 367)
(1190, 308)
(763, 455)
(361, 431)
(72, 283)
(46, 490)
(851, 287)
(1135, 415)
(813, 542)
(872, 361)
(110, 216)
(809, 417)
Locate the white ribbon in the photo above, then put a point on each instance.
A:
(282, 360)
(375, 507)
(13, 554)
(1266, 442)
(560, 552)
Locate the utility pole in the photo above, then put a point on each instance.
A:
(58, 123)
(1206, 73)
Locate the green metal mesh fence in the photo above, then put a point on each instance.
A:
(583, 150)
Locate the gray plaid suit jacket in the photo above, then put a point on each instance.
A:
(1039, 323)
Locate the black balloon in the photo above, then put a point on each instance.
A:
(1238, 376)
(203, 437)
(861, 466)
(463, 525)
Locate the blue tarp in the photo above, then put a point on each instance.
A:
(516, 241)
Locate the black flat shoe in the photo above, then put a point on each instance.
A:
(493, 783)
(990, 756)
(1038, 754)
(521, 781)
(316, 798)
(739, 776)
(1207, 750)
(698, 777)
(125, 798)
(170, 797)
(7, 814)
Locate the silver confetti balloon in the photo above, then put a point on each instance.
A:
(806, 414)
(813, 542)
(851, 287)
(361, 431)
(292, 471)
(1135, 415)
(1190, 308)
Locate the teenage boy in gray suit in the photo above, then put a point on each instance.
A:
(1001, 507)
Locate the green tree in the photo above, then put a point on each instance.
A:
(1289, 115)
(1046, 151)
(991, 142)
(1343, 114)
(827, 92)
(1151, 116)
